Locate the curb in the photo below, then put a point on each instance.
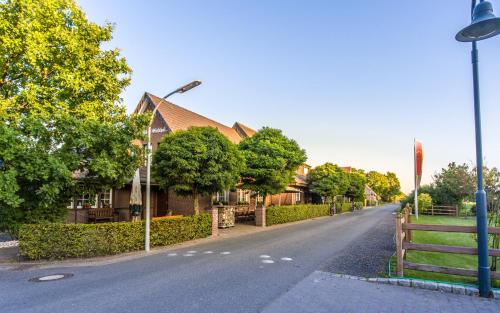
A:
(8, 244)
(422, 284)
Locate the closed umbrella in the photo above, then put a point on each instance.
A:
(136, 197)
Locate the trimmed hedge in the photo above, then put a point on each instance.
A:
(291, 213)
(59, 241)
(344, 207)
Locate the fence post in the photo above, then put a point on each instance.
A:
(408, 231)
(260, 216)
(456, 210)
(399, 245)
(432, 209)
(215, 222)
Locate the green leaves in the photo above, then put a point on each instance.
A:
(328, 180)
(196, 161)
(386, 186)
(271, 161)
(60, 241)
(60, 110)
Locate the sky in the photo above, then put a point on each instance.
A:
(353, 82)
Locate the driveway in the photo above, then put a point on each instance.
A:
(244, 274)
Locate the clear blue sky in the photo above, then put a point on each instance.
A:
(352, 81)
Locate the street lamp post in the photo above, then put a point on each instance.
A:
(484, 25)
(182, 89)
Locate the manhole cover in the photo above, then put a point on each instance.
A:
(52, 277)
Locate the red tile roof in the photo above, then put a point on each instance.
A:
(178, 118)
(243, 130)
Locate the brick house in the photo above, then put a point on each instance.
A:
(170, 118)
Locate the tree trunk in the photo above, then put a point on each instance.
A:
(196, 203)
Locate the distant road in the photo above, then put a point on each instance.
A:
(252, 271)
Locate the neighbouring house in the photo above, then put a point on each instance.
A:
(371, 197)
(170, 118)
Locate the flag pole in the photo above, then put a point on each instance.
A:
(416, 179)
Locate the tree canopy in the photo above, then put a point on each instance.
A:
(61, 116)
(328, 180)
(197, 161)
(271, 161)
(387, 186)
(357, 182)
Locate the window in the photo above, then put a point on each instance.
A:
(105, 198)
(306, 170)
(260, 198)
(222, 197)
(243, 196)
(298, 197)
(85, 200)
(102, 199)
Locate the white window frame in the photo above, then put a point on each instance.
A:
(260, 198)
(97, 198)
(222, 197)
(242, 196)
(298, 197)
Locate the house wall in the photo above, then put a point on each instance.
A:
(184, 205)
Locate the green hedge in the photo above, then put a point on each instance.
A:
(291, 213)
(344, 207)
(59, 241)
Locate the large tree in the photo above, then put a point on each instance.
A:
(60, 105)
(272, 160)
(197, 161)
(453, 184)
(394, 186)
(328, 180)
(357, 182)
(387, 185)
(378, 182)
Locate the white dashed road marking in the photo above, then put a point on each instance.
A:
(192, 251)
(265, 256)
(286, 259)
(268, 261)
(208, 252)
(225, 253)
(172, 254)
(188, 254)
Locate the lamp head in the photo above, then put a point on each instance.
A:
(484, 24)
(189, 86)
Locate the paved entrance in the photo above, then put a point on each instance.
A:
(323, 292)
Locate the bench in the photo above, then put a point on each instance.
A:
(100, 214)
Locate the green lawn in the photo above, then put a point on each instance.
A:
(444, 259)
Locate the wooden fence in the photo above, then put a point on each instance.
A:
(450, 210)
(404, 243)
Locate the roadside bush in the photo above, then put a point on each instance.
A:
(59, 241)
(344, 207)
(359, 205)
(424, 201)
(291, 213)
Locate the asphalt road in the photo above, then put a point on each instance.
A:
(243, 274)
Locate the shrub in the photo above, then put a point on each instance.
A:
(424, 201)
(359, 205)
(59, 241)
(291, 213)
(344, 207)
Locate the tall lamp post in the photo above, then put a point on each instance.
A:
(484, 25)
(182, 89)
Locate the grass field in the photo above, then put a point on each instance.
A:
(444, 259)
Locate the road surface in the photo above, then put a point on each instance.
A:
(243, 274)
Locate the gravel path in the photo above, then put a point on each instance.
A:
(367, 257)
